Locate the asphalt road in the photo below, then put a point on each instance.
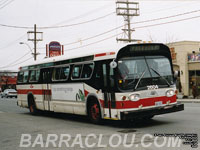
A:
(19, 130)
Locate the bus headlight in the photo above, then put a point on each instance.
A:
(134, 97)
(170, 93)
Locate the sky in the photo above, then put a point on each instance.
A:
(86, 25)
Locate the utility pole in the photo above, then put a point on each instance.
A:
(127, 9)
(35, 39)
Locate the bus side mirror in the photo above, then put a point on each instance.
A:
(176, 74)
(113, 64)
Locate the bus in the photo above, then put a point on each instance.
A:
(136, 81)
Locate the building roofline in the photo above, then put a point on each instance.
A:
(185, 41)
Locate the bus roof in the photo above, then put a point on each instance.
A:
(99, 53)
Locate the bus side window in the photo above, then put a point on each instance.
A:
(46, 76)
(20, 77)
(65, 73)
(112, 83)
(25, 77)
(56, 73)
(104, 75)
(60, 73)
(34, 75)
(87, 71)
(76, 71)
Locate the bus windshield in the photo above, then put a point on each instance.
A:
(137, 73)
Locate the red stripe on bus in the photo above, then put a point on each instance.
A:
(104, 54)
(34, 91)
(147, 102)
(99, 55)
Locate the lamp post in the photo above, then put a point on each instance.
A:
(34, 54)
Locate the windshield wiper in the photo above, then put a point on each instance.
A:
(140, 79)
(160, 76)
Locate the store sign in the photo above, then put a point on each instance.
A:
(194, 57)
(54, 49)
(173, 54)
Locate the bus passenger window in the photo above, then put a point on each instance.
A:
(65, 73)
(20, 77)
(56, 74)
(25, 78)
(34, 75)
(76, 71)
(87, 71)
(60, 73)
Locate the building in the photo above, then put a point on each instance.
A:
(186, 60)
(8, 79)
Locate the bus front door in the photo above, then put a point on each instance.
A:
(46, 91)
(109, 96)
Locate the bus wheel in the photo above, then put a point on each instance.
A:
(32, 108)
(94, 113)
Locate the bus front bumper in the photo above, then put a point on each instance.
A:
(138, 114)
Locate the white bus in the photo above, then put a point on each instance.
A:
(136, 81)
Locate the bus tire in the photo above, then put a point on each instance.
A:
(94, 112)
(32, 107)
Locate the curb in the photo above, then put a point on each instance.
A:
(188, 100)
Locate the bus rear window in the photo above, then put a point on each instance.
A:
(22, 77)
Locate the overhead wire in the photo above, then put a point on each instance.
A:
(3, 2)
(145, 21)
(134, 28)
(12, 63)
(51, 27)
(13, 42)
(110, 37)
(168, 8)
(150, 20)
(83, 15)
(75, 24)
(6, 4)
(21, 62)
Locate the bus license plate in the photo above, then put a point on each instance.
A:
(158, 103)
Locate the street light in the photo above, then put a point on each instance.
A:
(27, 45)
(34, 54)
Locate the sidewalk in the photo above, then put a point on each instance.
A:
(189, 100)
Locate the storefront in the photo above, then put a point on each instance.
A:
(8, 80)
(186, 60)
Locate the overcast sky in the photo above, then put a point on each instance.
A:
(48, 13)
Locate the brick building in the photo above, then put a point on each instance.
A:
(8, 79)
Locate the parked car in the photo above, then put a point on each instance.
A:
(9, 93)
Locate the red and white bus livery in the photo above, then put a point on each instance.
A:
(137, 81)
